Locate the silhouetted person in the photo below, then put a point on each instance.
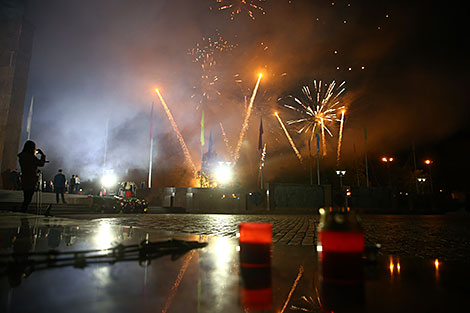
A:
(72, 184)
(77, 184)
(15, 179)
(22, 244)
(29, 171)
(59, 186)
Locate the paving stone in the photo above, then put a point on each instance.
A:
(428, 236)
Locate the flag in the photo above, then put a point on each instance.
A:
(318, 142)
(317, 136)
(210, 144)
(260, 141)
(202, 129)
(30, 118)
(151, 123)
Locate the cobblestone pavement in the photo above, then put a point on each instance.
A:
(446, 237)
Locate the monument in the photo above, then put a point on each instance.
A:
(16, 41)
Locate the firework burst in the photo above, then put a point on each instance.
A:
(318, 110)
(207, 88)
(209, 46)
(238, 6)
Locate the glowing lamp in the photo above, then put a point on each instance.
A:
(223, 173)
(109, 180)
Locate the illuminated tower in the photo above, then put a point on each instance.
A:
(16, 40)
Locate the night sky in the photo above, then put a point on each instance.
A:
(98, 61)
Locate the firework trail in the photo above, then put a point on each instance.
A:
(263, 157)
(229, 148)
(340, 138)
(187, 155)
(319, 109)
(289, 138)
(237, 6)
(245, 122)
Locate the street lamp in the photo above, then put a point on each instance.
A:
(429, 162)
(340, 173)
(344, 199)
(421, 181)
(388, 160)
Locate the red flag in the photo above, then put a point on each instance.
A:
(260, 141)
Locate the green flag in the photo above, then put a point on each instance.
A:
(202, 129)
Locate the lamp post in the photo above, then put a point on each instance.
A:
(343, 198)
(340, 174)
(421, 181)
(429, 162)
(388, 160)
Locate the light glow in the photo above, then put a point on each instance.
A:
(109, 180)
(223, 173)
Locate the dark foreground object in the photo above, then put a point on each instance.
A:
(207, 279)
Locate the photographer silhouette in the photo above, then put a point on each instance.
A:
(29, 169)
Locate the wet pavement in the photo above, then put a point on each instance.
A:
(52, 264)
(446, 237)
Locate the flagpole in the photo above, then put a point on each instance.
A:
(317, 137)
(151, 149)
(105, 145)
(318, 168)
(365, 152)
(310, 162)
(30, 118)
(202, 144)
(262, 149)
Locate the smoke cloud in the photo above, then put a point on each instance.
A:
(96, 64)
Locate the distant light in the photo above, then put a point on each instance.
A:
(223, 173)
(436, 264)
(109, 180)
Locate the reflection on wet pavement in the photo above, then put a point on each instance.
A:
(201, 280)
